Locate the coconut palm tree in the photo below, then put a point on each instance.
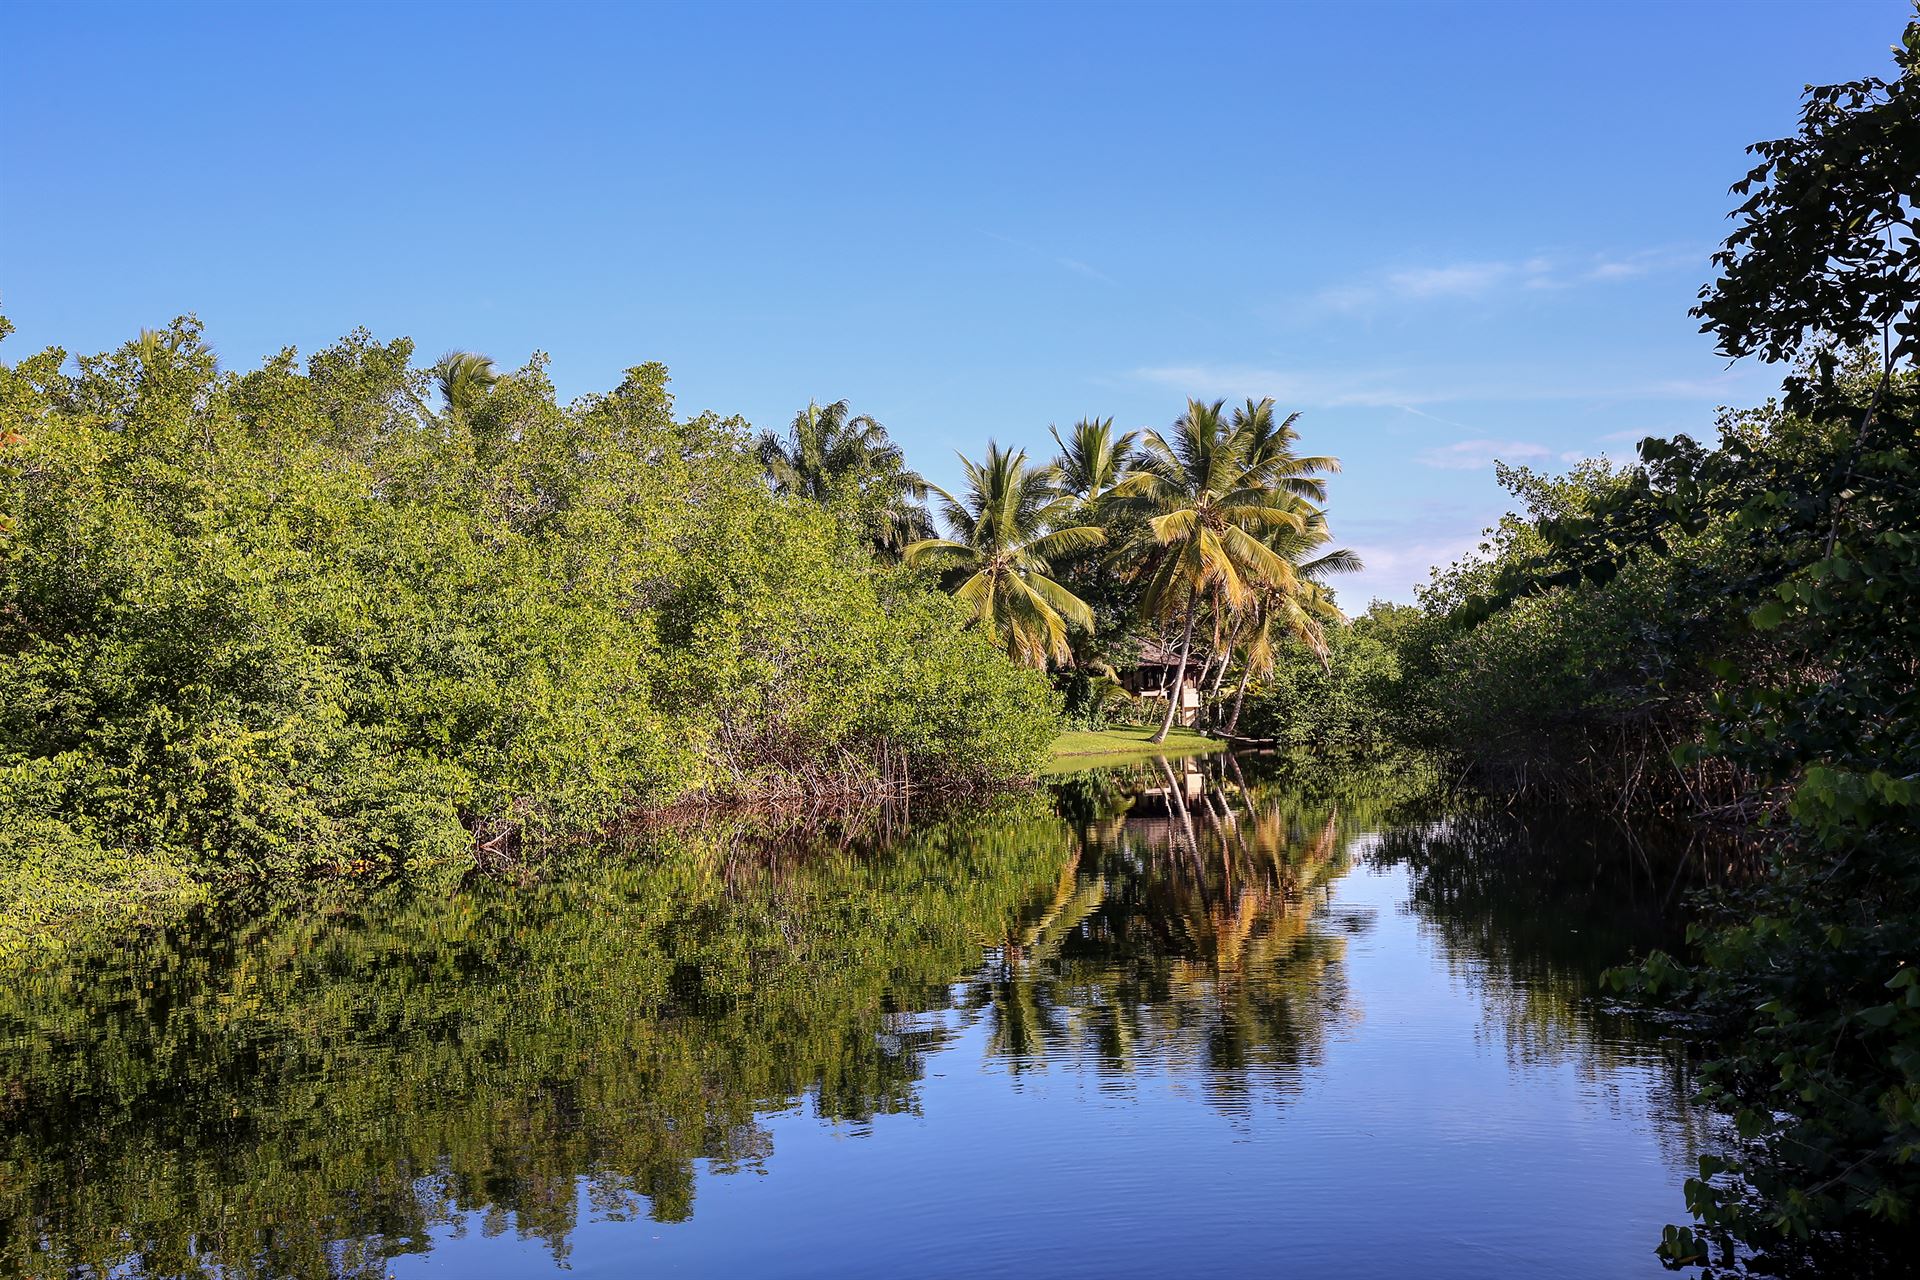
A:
(1209, 505)
(830, 455)
(1091, 459)
(1270, 455)
(464, 379)
(824, 445)
(1004, 540)
(1301, 613)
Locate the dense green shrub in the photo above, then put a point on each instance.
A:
(1763, 596)
(292, 620)
(1348, 703)
(1539, 679)
(1728, 633)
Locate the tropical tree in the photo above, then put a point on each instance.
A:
(1210, 500)
(1006, 532)
(1301, 613)
(464, 379)
(839, 459)
(1092, 460)
(1269, 442)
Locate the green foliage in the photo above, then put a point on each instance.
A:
(1347, 704)
(293, 621)
(1568, 664)
(1753, 611)
(1720, 633)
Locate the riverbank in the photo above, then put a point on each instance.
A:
(1089, 748)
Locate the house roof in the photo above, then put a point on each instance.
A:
(1154, 653)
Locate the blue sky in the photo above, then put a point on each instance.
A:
(1445, 233)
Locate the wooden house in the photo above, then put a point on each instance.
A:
(1151, 680)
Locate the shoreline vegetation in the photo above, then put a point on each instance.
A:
(347, 616)
(350, 617)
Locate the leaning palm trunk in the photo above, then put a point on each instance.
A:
(1226, 661)
(1179, 675)
(1220, 674)
(1239, 696)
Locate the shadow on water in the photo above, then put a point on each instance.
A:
(326, 1088)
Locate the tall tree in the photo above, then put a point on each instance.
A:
(1208, 502)
(1001, 552)
(1300, 613)
(1270, 453)
(1092, 459)
(464, 379)
(834, 457)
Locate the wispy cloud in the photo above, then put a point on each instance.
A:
(1074, 265)
(1474, 455)
(1473, 280)
(1411, 391)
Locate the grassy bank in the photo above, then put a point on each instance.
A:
(1087, 748)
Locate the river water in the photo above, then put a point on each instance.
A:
(1207, 1018)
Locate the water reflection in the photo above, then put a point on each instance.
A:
(1181, 934)
(326, 1090)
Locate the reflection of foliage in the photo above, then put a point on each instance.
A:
(269, 1091)
(241, 1094)
(1183, 938)
(1531, 912)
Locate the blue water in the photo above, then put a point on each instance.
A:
(1238, 1030)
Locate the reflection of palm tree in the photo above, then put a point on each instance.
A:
(1192, 941)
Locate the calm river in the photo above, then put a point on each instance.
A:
(1175, 1020)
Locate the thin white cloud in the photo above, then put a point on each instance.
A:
(1474, 455)
(1473, 280)
(1081, 268)
(1462, 280)
(1068, 264)
(1432, 417)
(1390, 389)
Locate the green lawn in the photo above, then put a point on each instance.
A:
(1087, 748)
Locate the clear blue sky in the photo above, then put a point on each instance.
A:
(1444, 232)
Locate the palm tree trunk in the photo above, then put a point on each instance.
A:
(1220, 676)
(1179, 674)
(1226, 656)
(1239, 696)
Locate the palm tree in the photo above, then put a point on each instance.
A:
(464, 379)
(1002, 548)
(1210, 499)
(1300, 613)
(1091, 460)
(829, 454)
(824, 445)
(1269, 444)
